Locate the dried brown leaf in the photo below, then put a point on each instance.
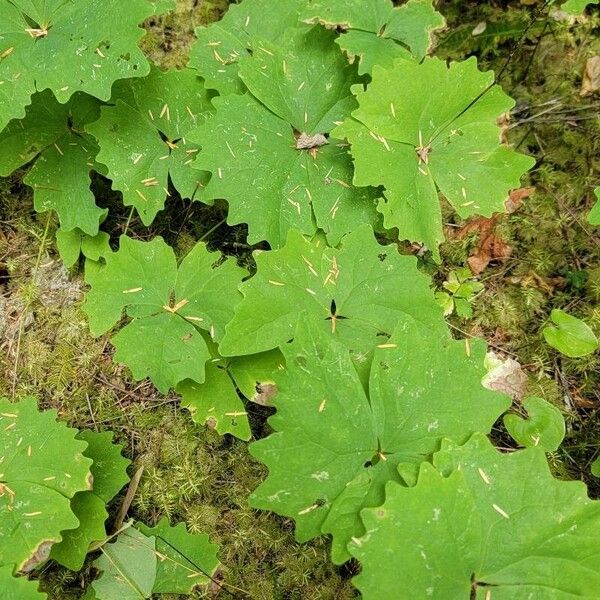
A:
(591, 77)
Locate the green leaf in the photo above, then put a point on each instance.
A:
(594, 214)
(424, 128)
(335, 446)
(415, 24)
(17, 588)
(312, 78)
(128, 568)
(219, 46)
(482, 524)
(576, 7)
(216, 401)
(71, 244)
(545, 426)
(463, 308)
(571, 336)
(356, 293)
(168, 306)
(42, 468)
(51, 135)
(91, 513)
(143, 138)
(68, 46)
(109, 471)
(267, 150)
(379, 33)
(254, 374)
(446, 302)
(185, 560)
(109, 467)
(595, 468)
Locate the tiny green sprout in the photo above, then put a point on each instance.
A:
(462, 288)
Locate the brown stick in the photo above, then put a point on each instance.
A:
(129, 496)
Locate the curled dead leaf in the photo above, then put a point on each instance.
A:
(505, 375)
(490, 245)
(307, 142)
(582, 402)
(591, 77)
(503, 121)
(516, 197)
(479, 28)
(533, 280)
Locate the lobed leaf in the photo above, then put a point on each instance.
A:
(51, 136)
(481, 524)
(143, 138)
(186, 560)
(18, 588)
(217, 402)
(420, 128)
(377, 33)
(220, 45)
(268, 150)
(128, 568)
(356, 293)
(71, 244)
(342, 444)
(42, 467)
(109, 472)
(168, 307)
(68, 46)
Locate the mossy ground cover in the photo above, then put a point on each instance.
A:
(191, 473)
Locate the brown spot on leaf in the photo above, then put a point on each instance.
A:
(39, 556)
(265, 392)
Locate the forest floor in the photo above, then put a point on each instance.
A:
(191, 474)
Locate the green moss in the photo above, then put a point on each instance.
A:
(554, 252)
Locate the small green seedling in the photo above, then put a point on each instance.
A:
(462, 288)
(571, 336)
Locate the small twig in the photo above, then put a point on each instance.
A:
(87, 397)
(128, 220)
(129, 496)
(213, 229)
